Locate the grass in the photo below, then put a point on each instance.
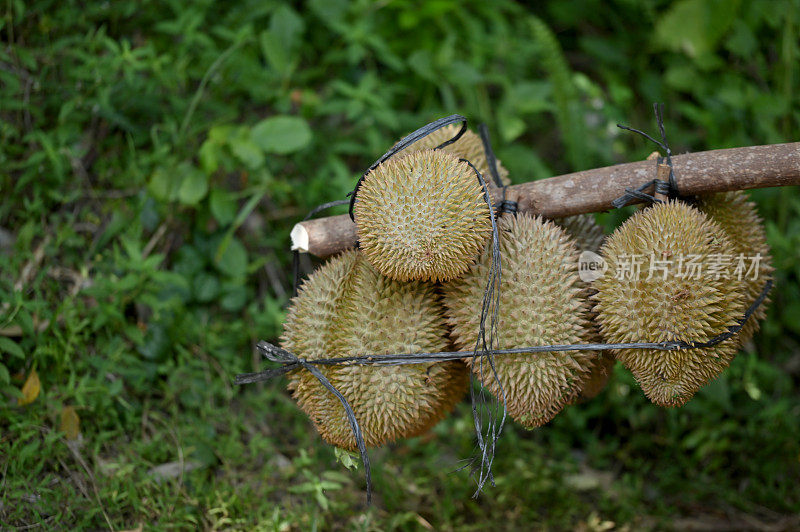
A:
(154, 157)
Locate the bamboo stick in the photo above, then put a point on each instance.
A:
(593, 190)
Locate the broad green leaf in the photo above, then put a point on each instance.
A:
(223, 206)
(163, 185)
(281, 134)
(247, 151)
(209, 156)
(279, 42)
(695, 26)
(194, 185)
(274, 52)
(287, 26)
(511, 125)
(232, 260)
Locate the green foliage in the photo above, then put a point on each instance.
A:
(155, 155)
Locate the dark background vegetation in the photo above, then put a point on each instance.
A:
(153, 157)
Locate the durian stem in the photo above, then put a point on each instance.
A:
(588, 191)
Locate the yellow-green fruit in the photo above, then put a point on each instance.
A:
(422, 216)
(346, 308)
(469, 147)
(668, 301)
(540, 304)
(584, 229)
(589, 236)
(739, 219)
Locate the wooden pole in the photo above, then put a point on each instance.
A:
(773, 165)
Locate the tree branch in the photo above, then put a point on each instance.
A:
(593, 190)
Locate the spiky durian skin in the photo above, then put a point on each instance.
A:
(633, 308)
(739, 218)
(309, 332)
(584, 229)
(540, 304)
(422, 216)
(309, 327)
(469, 147)
(589, 236)
(346, 308)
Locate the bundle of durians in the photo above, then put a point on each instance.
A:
(417, 282)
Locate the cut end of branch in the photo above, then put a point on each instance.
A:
(299, 237)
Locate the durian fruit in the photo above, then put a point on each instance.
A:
(469, 147)
(739, 218)
(584, 229)
(634, 305)
(540, 304)
(422, 216)
(346, 308)
(589, 236)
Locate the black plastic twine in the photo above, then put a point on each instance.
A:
(490, 308)
(491, 160)
(505, 205)
(287, 359)
(667, 188)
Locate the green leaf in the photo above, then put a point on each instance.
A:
(206, 287)
(695, 26)
(528, 97)
(232, 260)
(11, 347)
(25, 320)
(279, 43)
(132, 246)
(247, 151)
(346, 458)
(209, 156)
(281, 134)
(163, 185)
(511, 125)
(223, 206)
(274, 52)
(287, 26)
(194, 185)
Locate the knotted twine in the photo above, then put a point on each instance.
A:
(492, 417)
(666, 188)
